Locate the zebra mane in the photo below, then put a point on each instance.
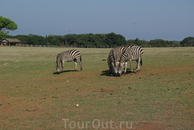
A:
(124, 51)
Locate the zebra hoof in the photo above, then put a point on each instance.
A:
(136, 71)
(118, 74)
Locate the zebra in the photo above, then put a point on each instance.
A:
(68, 56)
(131, 53)
(114, 58)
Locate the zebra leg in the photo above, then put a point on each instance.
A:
(80, 64)
(62, 65)
(138, 65)
(131, 69)
(75, 65)
(109, 66)
(58, 69)
(125, 67)
(111, 69)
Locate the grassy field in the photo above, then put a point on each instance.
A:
(159, 97)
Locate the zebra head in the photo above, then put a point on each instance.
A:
(115, 68)
(121, 68)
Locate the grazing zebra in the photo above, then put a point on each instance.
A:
(67, 56)
(114, 58)
(131, 53)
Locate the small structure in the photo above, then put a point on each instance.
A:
(9, 41)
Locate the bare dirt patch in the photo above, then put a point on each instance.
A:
(151, 126)
(158, 97)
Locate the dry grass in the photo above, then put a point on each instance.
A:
(158, 97)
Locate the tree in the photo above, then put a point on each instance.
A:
(114, 40)
(6, 24)
(101, 40)
(70, 40)
(137, 42)
(53, 40)
(142, 43)
(157, 43)
(188, 41)
(23, 38)
(36, 40)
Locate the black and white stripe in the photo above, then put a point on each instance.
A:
(114, 58)
(68, 56)
(131, 53)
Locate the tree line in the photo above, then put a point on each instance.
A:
(97, 41)
(75, 40)
(86, 40)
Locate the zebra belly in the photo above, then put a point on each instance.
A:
(69, 60)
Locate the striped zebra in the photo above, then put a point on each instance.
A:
(68, 56)
(114, 58)
(131, 53)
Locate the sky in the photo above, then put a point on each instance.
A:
(143, 19)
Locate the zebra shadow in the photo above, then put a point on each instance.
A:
(107, 73)
(64, 71)
(130, 72)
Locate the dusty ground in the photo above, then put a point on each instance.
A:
(28, 101)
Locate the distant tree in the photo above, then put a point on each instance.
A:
(97, 40)
(90, 40)
(157, 43)
(137, 41)
(6, 24)
(60, 40)
(100, 43)
(130, 42)
(171, 44)
(70, 40)
(86, 40)
(53, 40)
(142, 43)
(114, 40)
(35, 40)
(188, 41)
(23, 38)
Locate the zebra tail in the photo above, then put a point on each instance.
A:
(81, 63)
(141, 62)
(80, 58)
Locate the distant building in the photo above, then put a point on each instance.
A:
(9, 41)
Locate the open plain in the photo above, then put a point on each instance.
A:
(159, 97)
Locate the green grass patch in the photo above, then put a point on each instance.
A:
(33, 97)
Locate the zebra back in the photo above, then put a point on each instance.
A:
(69, 56)
(132, 52)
